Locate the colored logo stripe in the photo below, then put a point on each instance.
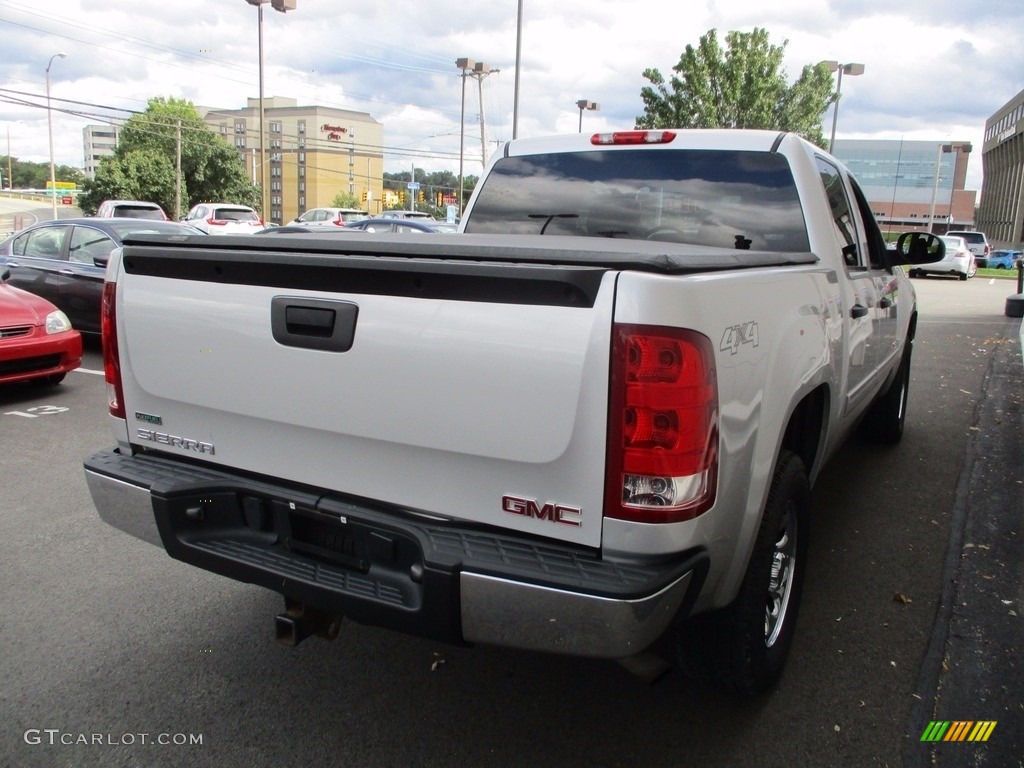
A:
(958, 730)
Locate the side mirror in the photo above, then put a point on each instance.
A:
(919, 248)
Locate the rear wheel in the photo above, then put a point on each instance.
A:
(746, 645)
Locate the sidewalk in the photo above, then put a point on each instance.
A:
(974, 668)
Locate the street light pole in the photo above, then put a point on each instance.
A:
(263, 156)
(519, 56)
(283, 6)
(584, 104)
(49, 125)
(849, 69)
(480, 71)
(463, 64)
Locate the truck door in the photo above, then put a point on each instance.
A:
(862, 295)
(886, 325)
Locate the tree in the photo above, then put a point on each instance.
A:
(211, 170)
(740, 86)
(345, 200)
(29, 175)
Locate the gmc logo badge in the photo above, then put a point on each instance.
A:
(553, 513)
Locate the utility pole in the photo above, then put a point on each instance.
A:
(10, 177)
(177, 171)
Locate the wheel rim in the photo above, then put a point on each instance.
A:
(780, 582)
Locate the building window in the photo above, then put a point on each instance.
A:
(302, 172)
(275, 157)
(275, 171)
(239, 127)
(302, 142)
(275, 126)
(302, 186)
(302, 127)
(275, 186)
(302, 157)
(275, 143)
(302, 201)
(240, 142)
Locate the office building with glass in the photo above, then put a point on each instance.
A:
(912, 184)
(1001, 213)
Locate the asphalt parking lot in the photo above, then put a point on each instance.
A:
(117, 655)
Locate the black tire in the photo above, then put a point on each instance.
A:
(745, 645)
(963, 275)
(887, 416)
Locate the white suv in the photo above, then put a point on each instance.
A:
(224, 219)
(130, 209)
(338, 217)
(978, 244)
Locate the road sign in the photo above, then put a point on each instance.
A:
(413, 185)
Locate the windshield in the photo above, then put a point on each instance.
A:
(138, 212)
(729, 199)
(235, 214)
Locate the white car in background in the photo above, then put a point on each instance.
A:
(977, 242)
(224, 219)
(338, 217)
(958, 261)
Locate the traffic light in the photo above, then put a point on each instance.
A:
(439, 198)
(423, 196)
(365, 195)
(401, 197)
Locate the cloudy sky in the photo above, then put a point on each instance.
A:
(934, 69)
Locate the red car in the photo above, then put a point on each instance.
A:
(36, 339)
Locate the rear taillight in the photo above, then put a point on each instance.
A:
(633, 137)
(216, 222)
(111, 359)
(662, 425)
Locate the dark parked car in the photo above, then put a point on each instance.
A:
(37, 341)
(64, 261)
(391, 224)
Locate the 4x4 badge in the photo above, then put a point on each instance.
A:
(736, 335)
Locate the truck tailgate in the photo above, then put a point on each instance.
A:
(421, 383)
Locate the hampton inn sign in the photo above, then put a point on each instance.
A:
(333, 132)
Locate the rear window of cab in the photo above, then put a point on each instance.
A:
(728, 199)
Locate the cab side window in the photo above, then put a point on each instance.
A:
(845, 226)
(873, 235)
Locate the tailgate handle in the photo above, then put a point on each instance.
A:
(313, 323)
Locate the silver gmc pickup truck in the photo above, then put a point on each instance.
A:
(587, 424)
